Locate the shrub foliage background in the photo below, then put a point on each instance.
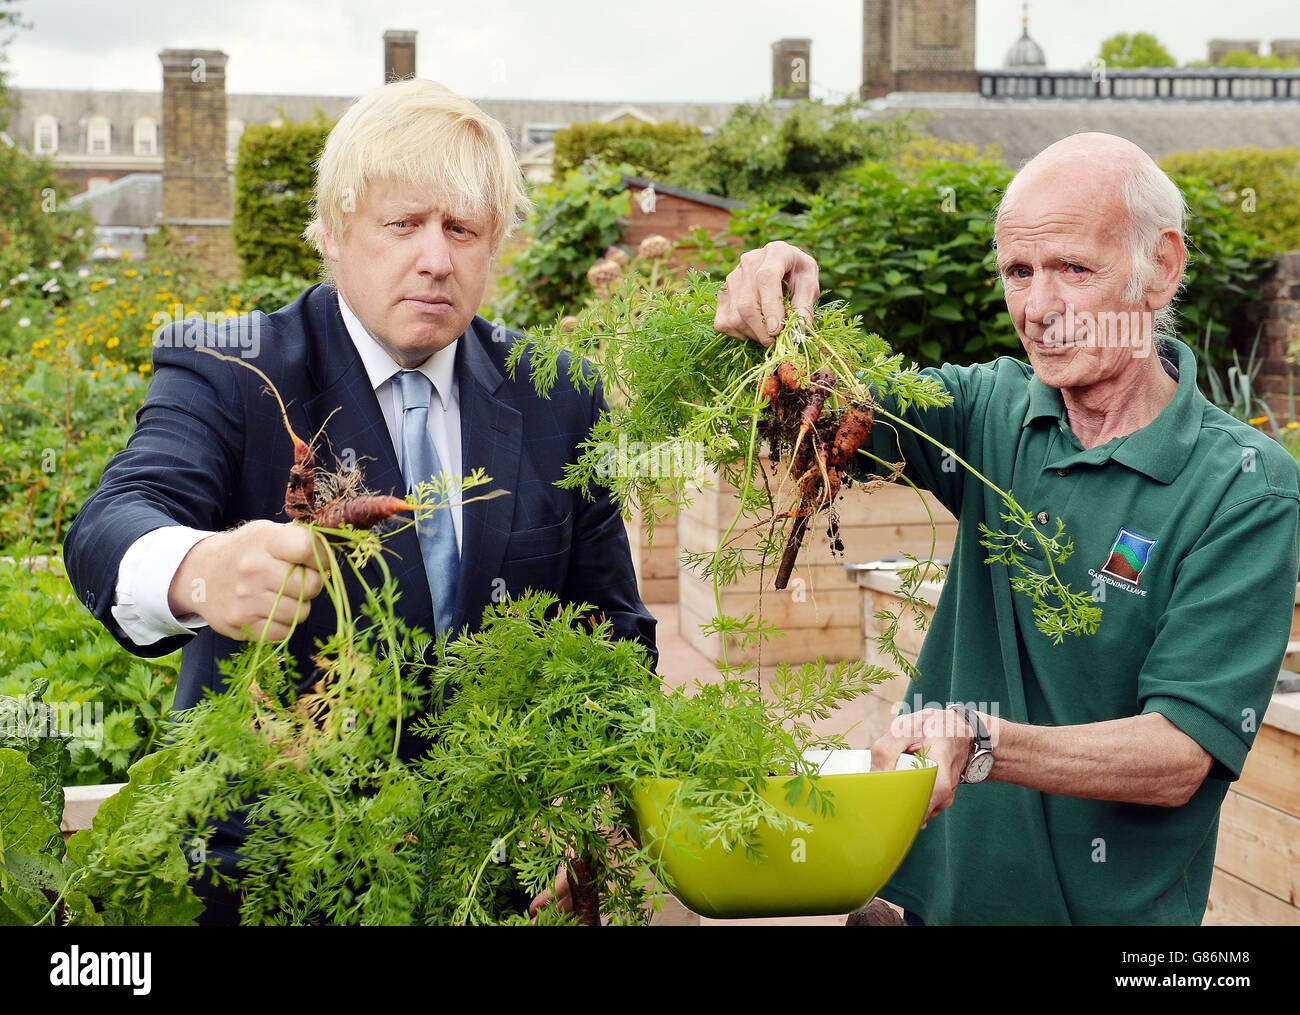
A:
(646, 149)
(1262, 186)
(573, 222)
(274, 176)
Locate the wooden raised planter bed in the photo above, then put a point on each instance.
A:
(655, 561)
(81, 804)
(1257, 857)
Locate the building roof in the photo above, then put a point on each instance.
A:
(1024, 127)
(1025, 54)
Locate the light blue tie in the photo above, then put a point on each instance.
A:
(436, 530)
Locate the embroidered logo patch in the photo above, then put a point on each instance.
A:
(1128, 557)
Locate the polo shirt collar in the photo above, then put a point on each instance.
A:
(1162, 447)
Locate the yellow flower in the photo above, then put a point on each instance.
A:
(112, 343)
(130, 273)
(167, 272)
(1258, 420)
(1293, 425)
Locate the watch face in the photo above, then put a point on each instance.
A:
(979, 767)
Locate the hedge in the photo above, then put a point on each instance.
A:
(274, 179)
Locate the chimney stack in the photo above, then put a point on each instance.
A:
(790, 62)
(399, 55)
(196, 198)
(1287, 49)
(1219, 48)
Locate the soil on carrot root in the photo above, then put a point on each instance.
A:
(813, 443)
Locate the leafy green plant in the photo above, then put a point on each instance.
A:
(1259, 186)
(1140, 49)
(112, 705)
(1267, 61)
(574, 221)
(274, 183)
(646, 149)
(539, 706)
(785, 155)
(912, 253)
(912, 256)
(546, 708)
(59, 422)
(680, 382)
(35, 226)
(44, 882)
(265, 292)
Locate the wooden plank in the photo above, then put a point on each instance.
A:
(908, 638)
(658, 590)
(818, 610)
(799, 647)
(1260, 845)
(1269, 775)
(1234, 902)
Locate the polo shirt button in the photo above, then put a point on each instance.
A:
(1062, 472)
(1042, 517)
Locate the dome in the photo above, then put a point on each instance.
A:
(1026, 54)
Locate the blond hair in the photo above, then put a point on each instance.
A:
(420, 133)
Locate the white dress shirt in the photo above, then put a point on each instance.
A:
(150, 564)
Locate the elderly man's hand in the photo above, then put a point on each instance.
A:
(948, 738)
(751, 303)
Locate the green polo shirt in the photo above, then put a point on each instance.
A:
(1186, 533)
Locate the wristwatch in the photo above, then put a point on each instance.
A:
(980, 762)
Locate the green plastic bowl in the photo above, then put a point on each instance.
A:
(836, 867)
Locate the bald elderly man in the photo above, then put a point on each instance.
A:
(1081, 783)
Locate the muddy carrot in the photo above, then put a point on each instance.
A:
(300, 494)
(583, 891)
(797, 530)
(360, 512)
(854, 429)
(789, 375)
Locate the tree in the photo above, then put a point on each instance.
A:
(786, 155)
(1141, 49)
(10, 22)
(1270, 61)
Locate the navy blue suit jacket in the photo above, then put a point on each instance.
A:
(210, 451)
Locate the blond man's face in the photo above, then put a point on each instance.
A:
(412, 271)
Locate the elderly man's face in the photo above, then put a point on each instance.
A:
(1065, 265)
(412, 272)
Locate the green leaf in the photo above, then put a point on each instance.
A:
(25, 825)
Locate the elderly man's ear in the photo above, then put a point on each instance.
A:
(1171, 258)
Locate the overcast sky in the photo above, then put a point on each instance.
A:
(666, 50)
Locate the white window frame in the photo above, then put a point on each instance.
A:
(99, 129)
(146, 136)
(46, 122)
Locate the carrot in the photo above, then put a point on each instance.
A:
(789, 375)
(800, 526)
(582, 888)
(823, 381)
(300, 494)
(770, 388)
(854, 429)
(360, 512)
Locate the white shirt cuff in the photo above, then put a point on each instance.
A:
(143, 580)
